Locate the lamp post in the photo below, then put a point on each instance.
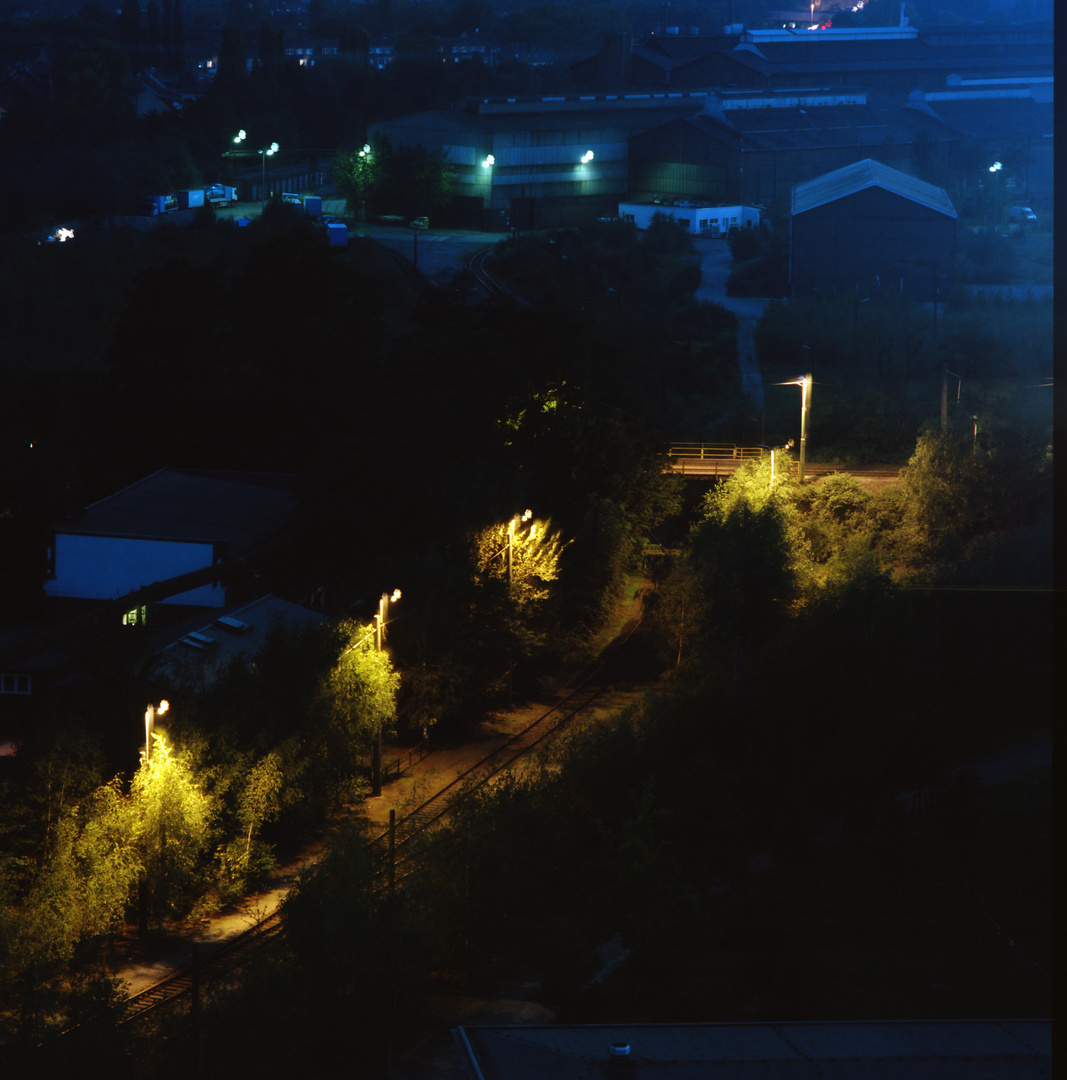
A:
(270, 151)
(150, 715)
(805, 384)
(994, 169)
(380, 620)
(518, 519)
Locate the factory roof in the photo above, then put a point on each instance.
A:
(867, 174)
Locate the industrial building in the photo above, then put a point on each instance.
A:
(741, 118)
(870, 227)
(526, 163)
(751, 147)
(891, 60)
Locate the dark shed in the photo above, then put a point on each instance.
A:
(869, 226)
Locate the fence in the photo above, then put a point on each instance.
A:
(393, 769)
(715, 451)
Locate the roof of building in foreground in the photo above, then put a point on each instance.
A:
(243, 509)
(879, 1050)
(203, 651)
(867, 174)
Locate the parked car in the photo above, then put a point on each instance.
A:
(1022, 215)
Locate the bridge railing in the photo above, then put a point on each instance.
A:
(714, 451)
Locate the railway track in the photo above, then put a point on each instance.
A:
(393, 847)
(217, 961)
(477, 264)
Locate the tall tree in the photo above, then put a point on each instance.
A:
(172, 818)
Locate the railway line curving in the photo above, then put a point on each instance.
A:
(394, 845)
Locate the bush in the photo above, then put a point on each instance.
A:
(986, 258)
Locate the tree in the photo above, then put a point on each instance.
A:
(356, 172)
(85, 882)
(172, 817)
(359, 696)
(406, 179)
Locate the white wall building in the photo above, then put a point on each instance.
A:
(171, 523)
(698, 219)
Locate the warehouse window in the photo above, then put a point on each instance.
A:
(14, 684)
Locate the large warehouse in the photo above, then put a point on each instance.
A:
(538, 163)
(867, 226)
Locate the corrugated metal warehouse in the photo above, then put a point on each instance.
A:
(751, 148)
(868, 227)
(538, 163)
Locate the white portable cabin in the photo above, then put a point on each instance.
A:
(698, 219)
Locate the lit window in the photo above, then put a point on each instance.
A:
(135, 617)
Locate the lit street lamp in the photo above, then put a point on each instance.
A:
(380, 620)
(805, 384)
(516, 520)
(263, 155)
(150, 715)
(994, 169)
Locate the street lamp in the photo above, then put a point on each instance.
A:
(263, 155)
(805, 384)
(380, 620)
(518, 519)
(150, 715)
(587, 157)
(489, 161)
(994, 169)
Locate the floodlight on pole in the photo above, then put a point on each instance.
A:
(270, 151)
(994, 169)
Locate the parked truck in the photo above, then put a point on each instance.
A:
(220, 194)
(190, 198)
(159, 204)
